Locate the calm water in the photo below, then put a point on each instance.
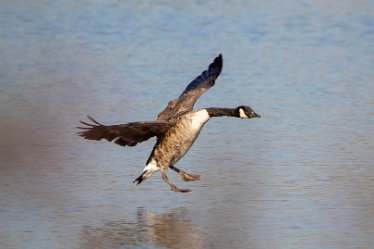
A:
(302, 176)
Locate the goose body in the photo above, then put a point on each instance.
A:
(175, 144)
(176, 128)
(179, 138)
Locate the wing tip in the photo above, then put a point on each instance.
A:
(218, 59)
(217, 65)
(90, 130)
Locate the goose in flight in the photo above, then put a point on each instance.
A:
(176, 128)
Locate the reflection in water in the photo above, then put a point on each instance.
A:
(171, 230)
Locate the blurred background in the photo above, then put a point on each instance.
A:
(300, 177)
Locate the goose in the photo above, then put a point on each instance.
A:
(176, 128)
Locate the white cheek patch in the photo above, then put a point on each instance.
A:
(242, 114)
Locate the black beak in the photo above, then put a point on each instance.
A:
(255, 115)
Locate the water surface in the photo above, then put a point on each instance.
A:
(300, 177)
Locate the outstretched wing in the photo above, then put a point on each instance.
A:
(123, 134)
(185, 102)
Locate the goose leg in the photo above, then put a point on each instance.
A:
(173, 187)
(184, 175)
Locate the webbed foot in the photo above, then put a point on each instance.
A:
(188, 177)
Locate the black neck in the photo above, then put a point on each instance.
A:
(220, 112)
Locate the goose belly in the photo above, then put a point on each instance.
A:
(179, 138)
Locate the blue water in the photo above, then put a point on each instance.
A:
(302, 176)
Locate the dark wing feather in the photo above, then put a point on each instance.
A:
(185, 102)
(123, 134)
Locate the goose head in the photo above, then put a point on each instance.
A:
(246, 112)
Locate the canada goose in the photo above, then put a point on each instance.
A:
(176, 127)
